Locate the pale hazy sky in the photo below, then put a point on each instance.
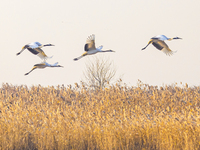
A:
(122, 25)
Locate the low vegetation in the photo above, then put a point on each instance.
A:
(118, 117)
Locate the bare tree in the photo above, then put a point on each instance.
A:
(99, 72)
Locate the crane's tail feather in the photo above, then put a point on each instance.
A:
(168, 51)
(49, 57)
(43, 57)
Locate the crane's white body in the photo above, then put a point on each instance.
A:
(94, 51)
(161, 37)
(35, 45)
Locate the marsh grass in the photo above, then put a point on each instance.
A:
(118, 117)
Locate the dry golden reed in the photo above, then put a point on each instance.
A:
(118, 117)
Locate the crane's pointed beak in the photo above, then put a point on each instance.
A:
(177, 38)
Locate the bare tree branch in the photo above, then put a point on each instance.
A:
(99, 72)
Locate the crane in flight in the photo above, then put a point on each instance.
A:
(43, 65)
(35, 48)
(90, 47)
(158, 42)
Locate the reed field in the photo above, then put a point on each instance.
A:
(119, 117)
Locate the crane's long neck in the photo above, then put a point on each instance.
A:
(106, 50)
(57, 66)
(175, 38)
(170, 39)
(46, 45)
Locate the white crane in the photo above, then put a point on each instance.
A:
(43, 65)
(35, 48)
(90, 47)
(158, 42)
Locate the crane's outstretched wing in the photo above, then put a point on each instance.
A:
(90, 43)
